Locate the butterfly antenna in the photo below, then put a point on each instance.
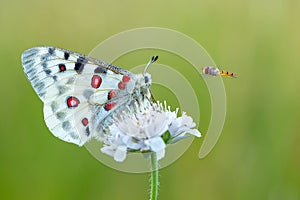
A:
(152, 60)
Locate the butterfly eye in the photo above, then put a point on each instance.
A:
(146, 79)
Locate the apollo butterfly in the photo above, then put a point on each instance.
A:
(82, 95)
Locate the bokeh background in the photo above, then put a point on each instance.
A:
(257, 156)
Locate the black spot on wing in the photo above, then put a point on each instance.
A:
(61, 115)
(48, 71)
(81, 59)
(62, 89)
(100, 70)
(66, 125)
(87, 130)
(44, 58)
(73, 135)
(54, 106)
(44, 65)
(66, 55)
(79, 65)
(51, 50)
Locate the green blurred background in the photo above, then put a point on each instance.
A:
(257, 156)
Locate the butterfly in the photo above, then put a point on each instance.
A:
(82, 95)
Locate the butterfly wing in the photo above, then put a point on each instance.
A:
(74, 88)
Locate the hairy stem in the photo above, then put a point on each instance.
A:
(154, 177)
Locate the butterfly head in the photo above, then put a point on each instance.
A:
(142, 83)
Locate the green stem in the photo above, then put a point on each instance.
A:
(154, 177)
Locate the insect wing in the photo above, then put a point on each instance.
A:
(73, 87)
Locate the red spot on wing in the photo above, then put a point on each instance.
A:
(85, 121)
(111, 94)
(62, 67)
(109, 106)
(121, 86)
(96, 81)
(72, 102)
(126, 79)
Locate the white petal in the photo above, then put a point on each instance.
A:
(184, 130)
(194, 132)
(177, 139)
(129, 127)
(155, 124)
(108, 150)
(160, 154)
(157, 129)
(120, 154)
(114, 129)
(130, 143)
(156, 144)
(187, 121)
(175, 125)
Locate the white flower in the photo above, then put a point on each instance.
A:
(181, 126)
(143, 130)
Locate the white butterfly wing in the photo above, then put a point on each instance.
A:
(75, 90)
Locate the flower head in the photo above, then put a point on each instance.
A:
(147, 129)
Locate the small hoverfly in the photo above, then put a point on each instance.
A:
(214, 71)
